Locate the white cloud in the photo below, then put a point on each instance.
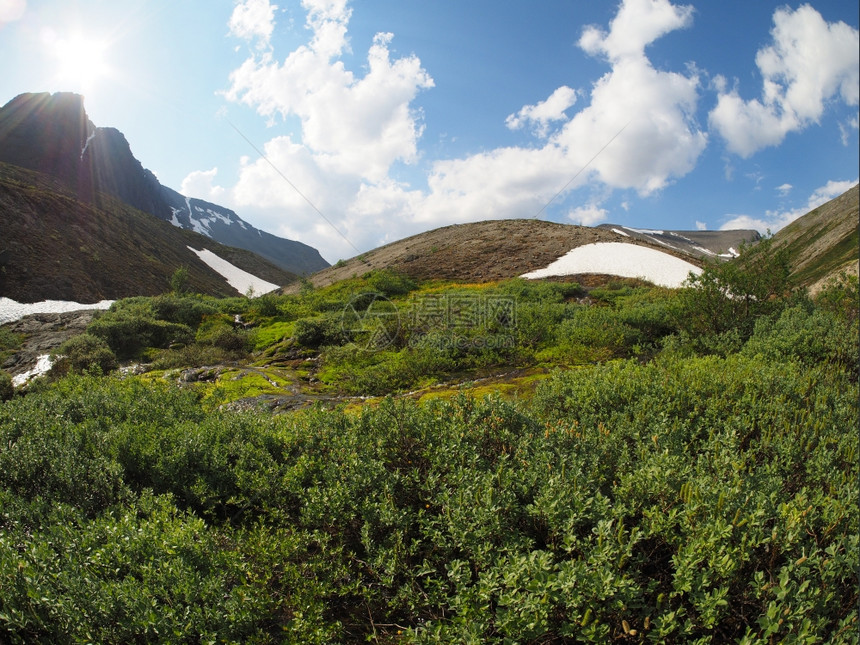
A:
(701, 226)
(545, 112)
(660, 141)
(637, 24)
(253, 19)
(775, 220)
(846, 128)
(354, 128)
(199, 184)
(588, 215)
(809, 63)
(784, 189)
(357, 126)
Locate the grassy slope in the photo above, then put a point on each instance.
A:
(824, 241)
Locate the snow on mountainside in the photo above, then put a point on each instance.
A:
(699, 244)
(241, 281)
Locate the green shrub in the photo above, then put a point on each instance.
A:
(8, 340)
(220, 331)
(732, 295)
(128, 331)
(539, 291)
(319, 331)
(811, 337)
(7, 390)
(84, 353)
(185, 310)
(179, 280)
(265, 306)
(841, 295)
(389, 283)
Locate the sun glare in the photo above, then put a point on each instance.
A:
(81, 61)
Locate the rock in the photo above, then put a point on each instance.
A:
(42, 334)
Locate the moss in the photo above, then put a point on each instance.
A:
(272, 334)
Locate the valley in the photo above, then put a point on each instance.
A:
(496, 432)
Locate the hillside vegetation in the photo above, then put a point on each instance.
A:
(825, 241)
(504, 462)
(55, 246)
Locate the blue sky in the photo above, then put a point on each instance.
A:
(392, 117)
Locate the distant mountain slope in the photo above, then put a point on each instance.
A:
(54, 246)
(499, 249)
(825, 241)
(224, 226)
(705, 245)
(51, 134)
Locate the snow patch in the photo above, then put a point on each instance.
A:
(10, 310)
(87, 144)
(43, 365)
(621, 259)
(644, 231)
(175, 220)
(240, 280)
(620, 232)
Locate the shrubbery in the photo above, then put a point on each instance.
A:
(83, 353)
(133, 327)
(727, 299)
(6, 388)
(685, 499)
(699, 484)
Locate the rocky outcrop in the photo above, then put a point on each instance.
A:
(42, 334)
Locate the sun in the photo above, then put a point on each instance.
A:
(81, 61)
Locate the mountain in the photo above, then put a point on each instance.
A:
(821, 244)
(824, 242)
(55, 246)
(705, 245)
(51, 134)
(501, 249)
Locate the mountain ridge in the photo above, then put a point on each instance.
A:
(821, 244)
(52, 134)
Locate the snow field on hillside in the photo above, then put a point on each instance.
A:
(10, 310)
(620, 259)
(240, 280)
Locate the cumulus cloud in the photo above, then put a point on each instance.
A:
(660, 141)
(637, 24)
(775, 220)
(545, 112)
(654, 109)
(635, 131)
(351, 125)
(253, 19)
(784, 189)
(199, 184)
(588, 215)
(809, 63)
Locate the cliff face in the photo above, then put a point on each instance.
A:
(46, 133)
